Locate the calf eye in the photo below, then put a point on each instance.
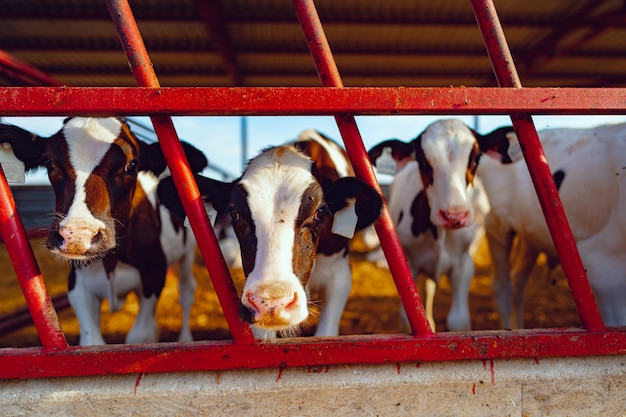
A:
(234, 214)
(48, 163)
(131, 166)
(320, 214)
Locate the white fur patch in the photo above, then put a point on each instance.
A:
(88, 140)
(275, 182)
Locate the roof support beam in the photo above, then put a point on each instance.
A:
(551, 46)
(214, 21)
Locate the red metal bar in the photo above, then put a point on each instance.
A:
(309, 352)
(23, 73)
(292, 101)
(33, 287)
(506, 74)
(181, 173)
(329, 76)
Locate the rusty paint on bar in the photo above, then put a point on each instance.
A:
(292, 101)
(311, 351)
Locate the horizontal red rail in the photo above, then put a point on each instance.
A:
(189, 101)
(303, 352)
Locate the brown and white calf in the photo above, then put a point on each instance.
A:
(287, 209)
(589, 169)
(108, 222)
(435, 201)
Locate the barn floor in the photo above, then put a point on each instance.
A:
(373, 306)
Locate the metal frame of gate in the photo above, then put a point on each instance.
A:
(56, 358)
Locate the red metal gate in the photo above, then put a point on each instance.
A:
(56, 358)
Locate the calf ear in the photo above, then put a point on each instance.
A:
(27, 147)
(501, 144)
(399, 150)
(368, 202)
(151, 158)
(212, 191)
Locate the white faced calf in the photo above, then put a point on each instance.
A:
(286, 212)
(108, 222)
(589, 168)
(435, 201)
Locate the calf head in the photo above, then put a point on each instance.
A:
(92, 164)
(448, 152)
(282, 214)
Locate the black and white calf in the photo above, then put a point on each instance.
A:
(294, 211)
(589, 168)
(438, 206)
(108, 222)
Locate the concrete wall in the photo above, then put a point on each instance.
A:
(593, 386)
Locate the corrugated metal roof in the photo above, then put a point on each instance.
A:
(569, 43)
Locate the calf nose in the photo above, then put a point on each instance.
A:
(455, 219)
(270, 310)
(77, 240)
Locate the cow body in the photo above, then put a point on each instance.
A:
(438, 207)
(589, 168)
(283, 210)
(108, 222)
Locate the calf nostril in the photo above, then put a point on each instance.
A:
(97, 238)
(293, 302)
(55, 240)
(251, 304)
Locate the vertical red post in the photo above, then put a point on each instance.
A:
(27, 271)
(143, 72)
(329, 76)
(506, 74)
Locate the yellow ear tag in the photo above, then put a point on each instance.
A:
(344, 222)
(13, 168)
(210, 211)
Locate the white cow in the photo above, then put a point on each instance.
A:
(589, 167)
(438, 206)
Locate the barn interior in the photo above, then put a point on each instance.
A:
(204, 43)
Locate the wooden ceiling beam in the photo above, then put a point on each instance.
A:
(216, 25)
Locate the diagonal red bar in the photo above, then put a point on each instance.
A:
(23, 73)
(506, 74)
(329, 76)
(37, 299)
(181, 173)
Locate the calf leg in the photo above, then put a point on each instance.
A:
(499, 242)
(145, 328)
(331, 275)
(460, 278)
(86, 304)
(523, 259)
(187, 290)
